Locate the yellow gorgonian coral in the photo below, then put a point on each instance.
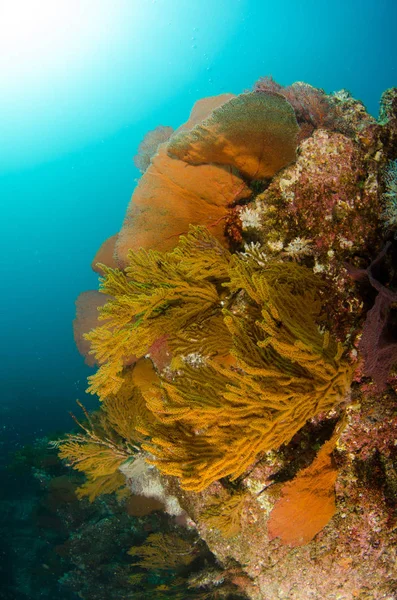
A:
(177, 294)
(225, 514)
(164, 551)
(109, 437)
(209, 418)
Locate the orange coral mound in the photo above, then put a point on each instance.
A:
(307, 502)
(173, 195)
(256, 133)
(105, 255)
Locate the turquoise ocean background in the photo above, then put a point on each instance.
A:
(81, 82)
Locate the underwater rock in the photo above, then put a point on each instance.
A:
(327, 197)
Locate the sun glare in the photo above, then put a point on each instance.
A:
(74, 71)
(41, 37)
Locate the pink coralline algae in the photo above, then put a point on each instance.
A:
(323, 211)
(312, 107)
(378, 344)
(327, 196)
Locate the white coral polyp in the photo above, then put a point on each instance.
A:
(250, 218)
(276, 246)
(299, 247)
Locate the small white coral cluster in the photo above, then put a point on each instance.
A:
(299, 247)
(194, 359)
(251, 216)
(145, 480)
(288, 182)
(296, 249)
(253, 251)
(389, 214)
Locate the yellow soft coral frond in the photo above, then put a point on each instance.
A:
(163, 551)
(126, 411)
(108, 438)
(250, 361)
(287, 371)
(95, 460)
(225, 514)
(106, 380)
(201, 256)
(104, 484)
(173, 293)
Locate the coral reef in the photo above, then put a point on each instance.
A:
(246, 351)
